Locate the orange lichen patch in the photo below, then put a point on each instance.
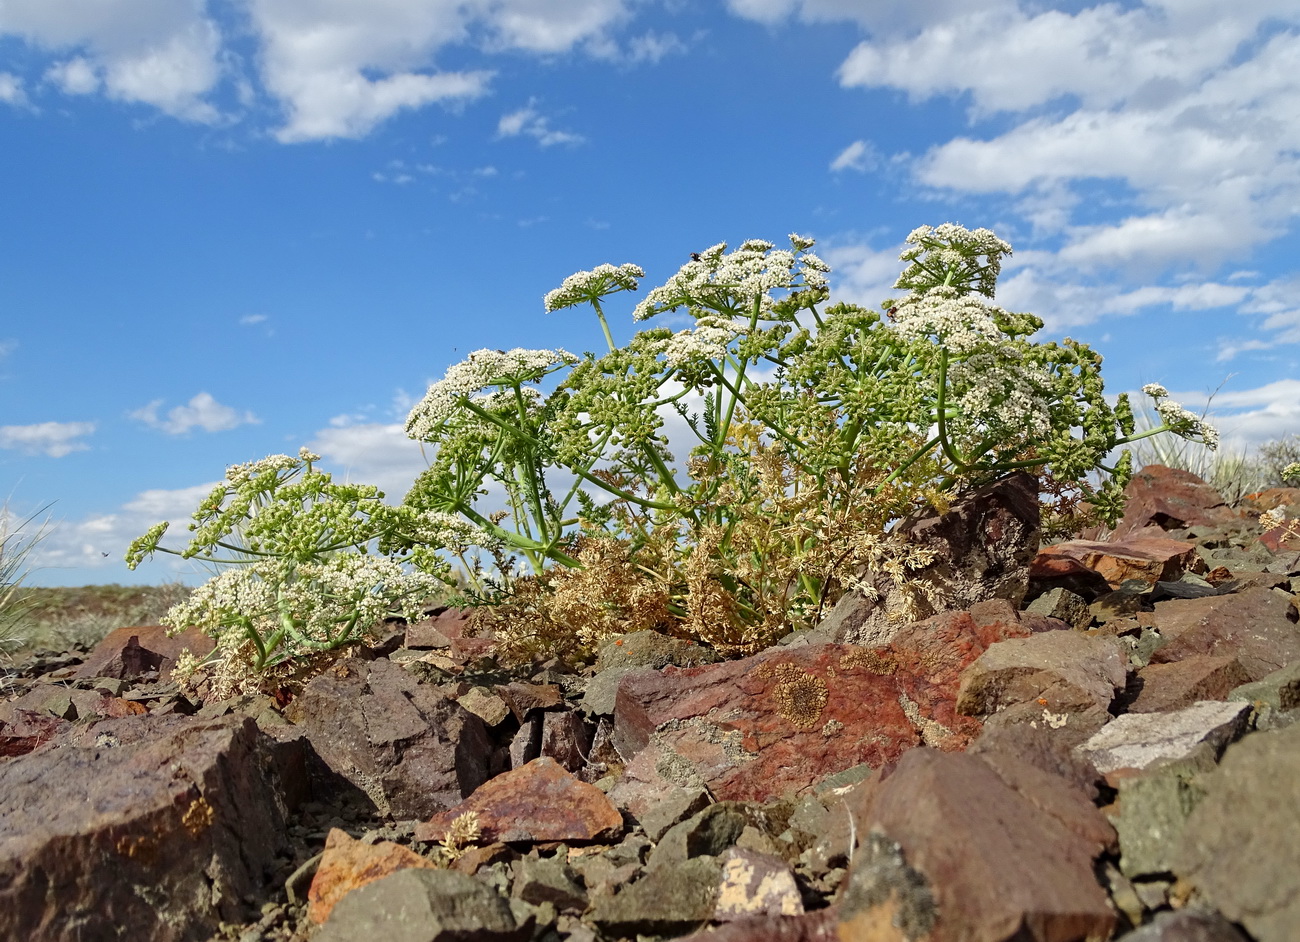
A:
(801, 699)
(198, 816)
(348, 864)
(142, 847)
(878, 662)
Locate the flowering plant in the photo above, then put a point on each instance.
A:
(297, 580)
(810, 428)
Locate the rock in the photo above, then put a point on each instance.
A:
(129, 653)
(1061, 671)
(998, 865)
(413, 751)
(566, 738)
(526, 743)
(708, 833)
(816, 926)
(1239, 846)
(1279, 690)
(348, 864)
(983, 546)
(485, 704)
(537, 802)
(1186, 925)
(1153, 810)
(885, 900)
(1171, 498)
(1141, 740)
(157, 826)
(670, 808)
(1141, 555)
(25, 730)
(626, 653)
(1044, 749)
(438, 630)
(756, 884)
(795, 715)
(423, 906)
(1254, 626)
(523, 698)
(1063, 604)
(548, 880)
(1162, 688)
(667, 901)
(1052, 569)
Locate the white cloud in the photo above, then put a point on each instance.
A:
(163, 53)
(527, 121)
(1251, 417)
(54, 439)
(76, 76)
(248, 320)
(11, 89)
(652, 47)
(861, 274)
(860, 156)
(203, 411)
(99, 540)
(370, 453)
(7, 347)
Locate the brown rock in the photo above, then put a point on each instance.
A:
(566, 738)
(538, 802)
(781, 721)
(155, 826)
(1253, 626)
(1140, 555)
(128, 653)
(412, 750)
(1060, 671)
(999, 866)
(1160, 688)
(439, 629)
(1053, 569)
(1171, 498)
(522, 697)
(348, 864)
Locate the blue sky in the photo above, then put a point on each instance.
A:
(229, 228)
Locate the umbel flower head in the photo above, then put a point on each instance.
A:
(482, 371)
(588, 286)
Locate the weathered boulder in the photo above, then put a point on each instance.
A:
(1000, 862)
(149, 828)
(1171, 498)
(129, 653)
(1239, 845)
(412, 750)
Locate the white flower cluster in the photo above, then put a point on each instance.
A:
(714, 277)
(708, 340)
(997, 393)
(481, 370)
(1180, 420)
(238, 474)
(963, 323)
(453, 533)
(584, 286)
(957, 249)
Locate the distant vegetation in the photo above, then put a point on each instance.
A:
(63, 618)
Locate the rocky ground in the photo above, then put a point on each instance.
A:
(1091, 741)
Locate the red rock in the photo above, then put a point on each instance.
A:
(781, 721)
(1140, 555)
(347, 864)
(439, 629)
(1171, 498)
(1178, 684)
(1254, 626)
(537, 802)
(1061, 671)
(1282, 539)
(127, 653)
(26, 730)
(999, 865)
(1273, 498)
(1053, 569)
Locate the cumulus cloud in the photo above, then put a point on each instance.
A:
(376, 453)
(1251, 417)
(53, 439)
(528, 122)
(163, 53)
(202, 412)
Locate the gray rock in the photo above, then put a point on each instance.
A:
(672, 808)
(1153, 813)
(666, 901)
(1239, 848)
(1187, 925)
(707, 833)
(1279, 690)
(1063, 604)
(158, 827)
(549, 880)
(423, 906)
(1141, 740)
